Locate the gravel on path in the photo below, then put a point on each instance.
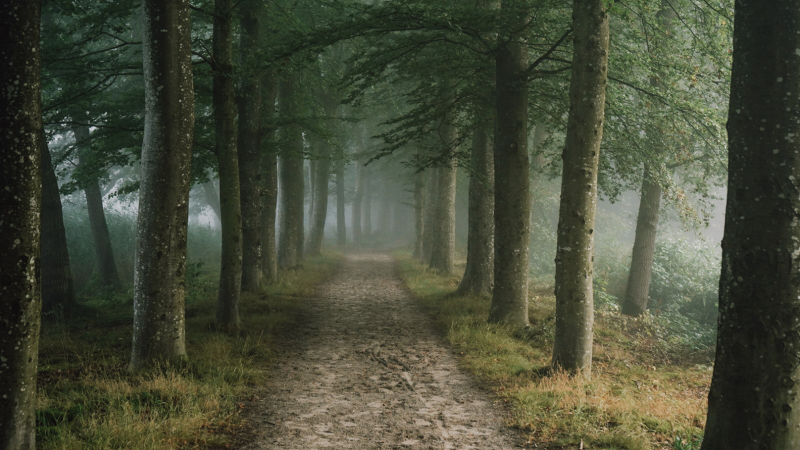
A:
(367, 369)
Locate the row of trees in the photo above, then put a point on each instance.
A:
(455, 74)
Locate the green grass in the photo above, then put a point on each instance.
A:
(644, 393)
(88, 400)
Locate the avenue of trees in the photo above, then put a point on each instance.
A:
(271, 107)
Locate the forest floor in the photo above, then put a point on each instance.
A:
(367, 368)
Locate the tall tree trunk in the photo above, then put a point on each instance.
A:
(21, 200)
(430, 214)
(106, 265)
(312, 190)
(249, 146)
(644, 245)
(341, 227)
(419, 214)
(290, 245)
(358, 201)
(512, 185)
(57, 293)
(572, 348)
(385, 215)
(443, 246)
(230, 276)
(754, 403)
(212, 198)
(322, 173)
(366, 230)
(269, 174)
(159, 280)
(479, 273)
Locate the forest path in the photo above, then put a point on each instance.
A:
(368, 370)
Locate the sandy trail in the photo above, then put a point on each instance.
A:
(367, 370)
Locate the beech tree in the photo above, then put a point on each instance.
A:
(160, 271)
(21, 197)
(572, 347)
(290, 243)
(754, 399)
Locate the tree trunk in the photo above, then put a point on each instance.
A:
(644, 245)
(512, 184)
(572, 348)
(443, 245)
(249, 146)
(106, 265)
(212, 198)
(159, 281)
(21, 200)
(430, 214)
(366, 230)
(419, 214)
(358, 201)
(230, 275)
(341, 227)
(57, 293)
(479, 273)
(753, 403)
(269, 174)
(290, 245)
(312, 190)
(385, 215)
(322, 173)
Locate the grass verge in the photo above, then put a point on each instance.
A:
(645, 393)
(88, 400)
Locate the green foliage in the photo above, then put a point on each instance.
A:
(690, 443)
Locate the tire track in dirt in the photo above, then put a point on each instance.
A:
(367, 370)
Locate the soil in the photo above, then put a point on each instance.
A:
(367, 369)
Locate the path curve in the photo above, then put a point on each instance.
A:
(367, 370)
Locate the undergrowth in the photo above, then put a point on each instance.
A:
(645, 392)
(88, 399)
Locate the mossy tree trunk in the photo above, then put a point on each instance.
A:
(21, 200)
(644, 245)
(479, 273)
(58, 296)
(319, 210)
(443, 243)
(512, 185)
(160, 271)
(419, 214)
(754, 401)
(290, 244)
(572, 348)
(106, 265)
(249, 144)
(269, 177)
(429, 214)
(341, 226)
(224, 102)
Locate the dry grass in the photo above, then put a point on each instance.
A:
(88, 399)
(644, 394)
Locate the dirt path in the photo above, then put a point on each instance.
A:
(368, 371)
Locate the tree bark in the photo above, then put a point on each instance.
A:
(249, 146)
(419, 215)
(644, 245)
(106, 265)
(159, 281)
(58, 296)
(754, 401)
(572, 348)
(322, 174)
(269, 174)
(512, 184)
(443, 245)
(21, 200)
(341, 227)
(358, 201)
(312, 190)
(290, 245)
(430, 214)
(366, 229)
(479, 273)
(224, 102)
